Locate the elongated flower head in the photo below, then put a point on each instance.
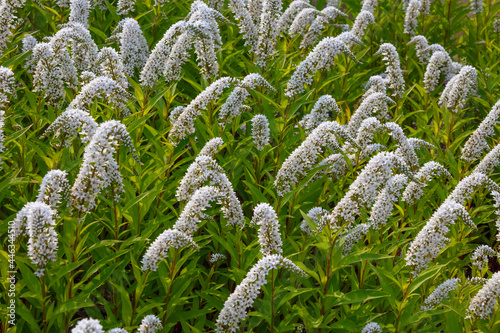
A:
(394, 77)
(485, 302)
(440, 293)
(69, 123)
(269, 235)
(412, 13)
(371, 328)
(459, 89)
(260, 131)
(361, 22)
(245, 294)
(268, 30)
(325, 105)
(480, 256)
(150, 324)
(477, 143)
(79, 12)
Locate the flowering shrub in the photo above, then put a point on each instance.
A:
(249, 165)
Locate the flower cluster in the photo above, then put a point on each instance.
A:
(476, 144)
(215, 257)
(269, 235)
(134, 50)
(88, 325)
(412, 13)
(104, 87)
(361, 23)
(321, 57)
(320, 112)
(376, 104)
(184, 123)
(268, 30)
(235, 307)
(415, 189)
(383, 205)
(371, 328)
(111, 65)
(329, 13)
(439, 63)
(304, 157)
(485, 301)
(394, 74)
(158, 250)
(375, 84)
(150, 324)
(245, 23)
(206, 169)
(68, 124)
(8, 20)
(234, 103)
(480, 256)
(459, 89)
(319, 216)
(440, 293)
(211, 147)
(260, 131)
(99, 169)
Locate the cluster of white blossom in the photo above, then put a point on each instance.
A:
(394, 73)
(412, 13)
(295, 7)
(42, 244)
(496, 25)
(320, 112)
(8, 20)
(459, 89)
(489, 162)
(158, 58)
(215, 257)
(303, 20)
(134, 50)
(441, 292)
(205, 169)
(321, 57)
(329, 13)
(268, 31)
(158, 250)
(260, 131)
(54, 188)
(364, 190)
(150, 324)
(371, 328)
(337, 167)
(375, 84)
(369, 5)
(84, 50)
(111, 65)
(363, 19)
(29, 43)
(439, 63)
(201, 31)
(477, 281)
(415, 189)
(235, 307)
(68, 124)
(318, 215)
(480, 256)
(124, 7)
(382, 208)
(6, 88)
(269, 229)
(184, 123)
(476, 6)
(233, 106)
(432, 238)
(48, 76)
(245, 23)
(104, 87)
(211, 147)
(304, 157)
(99, 169)
(88, 325)
(376, 104)
(476, 144)
(192, 213)
(485, 302)
(79, 12)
